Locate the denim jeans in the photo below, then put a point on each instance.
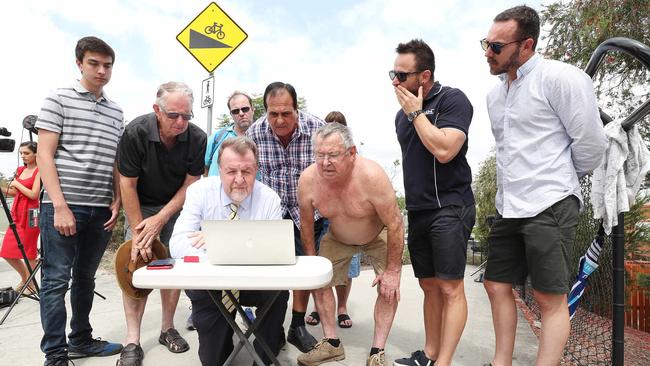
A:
(66, 257)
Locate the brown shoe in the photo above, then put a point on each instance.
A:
(322, 352)
(378, 359)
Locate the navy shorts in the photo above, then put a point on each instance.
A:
(437, 241)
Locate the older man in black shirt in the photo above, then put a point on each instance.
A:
(160, 155)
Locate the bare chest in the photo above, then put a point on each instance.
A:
(349, 202)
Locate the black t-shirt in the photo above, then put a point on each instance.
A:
(160, 172)
(428, 183)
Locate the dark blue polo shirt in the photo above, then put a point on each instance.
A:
(428, 183)
(160, 172)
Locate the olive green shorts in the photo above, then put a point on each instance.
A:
(539, 246)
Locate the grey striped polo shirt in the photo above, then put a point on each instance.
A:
(89, 130)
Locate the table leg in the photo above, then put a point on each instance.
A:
(243, 338)
(263, 310)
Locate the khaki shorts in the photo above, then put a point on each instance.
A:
(340, 255)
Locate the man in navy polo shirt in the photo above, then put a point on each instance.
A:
(432, 129)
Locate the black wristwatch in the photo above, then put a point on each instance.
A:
(413, 115)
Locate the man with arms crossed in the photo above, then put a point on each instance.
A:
(160, 155)
(355, 195)
(213, 198)
(432, 129)
(548, 134)
(241, 109)
(78, 132)
(283, 137)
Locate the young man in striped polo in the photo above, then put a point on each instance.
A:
(79, 129)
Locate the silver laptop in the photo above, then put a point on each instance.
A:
(249, 242)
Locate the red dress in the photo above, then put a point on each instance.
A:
(19, 212)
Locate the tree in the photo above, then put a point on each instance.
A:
(485, 191)
(637, 230)
(392, 172)
(578, 27)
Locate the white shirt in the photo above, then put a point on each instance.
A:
(206, 200)
(548, 133)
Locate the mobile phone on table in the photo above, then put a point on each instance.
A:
(161, 264)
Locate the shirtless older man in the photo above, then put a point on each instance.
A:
(356, 196)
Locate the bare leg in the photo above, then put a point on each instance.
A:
(133, 312)
(342, 294)
(432, 309)
(20, 267)
(384, 315)
(169, 300)
(555, 327)
(300, 300)
(504, 318)
(325, 304)
(454, 317)
(309, 318)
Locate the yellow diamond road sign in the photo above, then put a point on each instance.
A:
(211, 37)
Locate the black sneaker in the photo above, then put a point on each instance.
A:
(418, 358)
(94, 348)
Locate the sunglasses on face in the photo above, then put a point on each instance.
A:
(174, 116)
(496, 47)
(236, 111)
(400, 75)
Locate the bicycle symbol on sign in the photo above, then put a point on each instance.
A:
(215, 29)
(207, 100)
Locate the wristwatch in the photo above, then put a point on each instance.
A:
(413, 115)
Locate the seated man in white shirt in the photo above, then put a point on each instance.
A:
(211, 199)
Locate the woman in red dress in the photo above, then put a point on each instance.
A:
(25, 188)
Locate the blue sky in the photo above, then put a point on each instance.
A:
(336, 53)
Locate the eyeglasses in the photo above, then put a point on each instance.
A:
(174, 115)
(401, 75)
(496, 47)
(236, 111)
(330, 156)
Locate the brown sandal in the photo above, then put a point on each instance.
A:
(174, 342)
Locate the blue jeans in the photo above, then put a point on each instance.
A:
(66, 257)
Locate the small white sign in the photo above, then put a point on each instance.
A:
(207, 92)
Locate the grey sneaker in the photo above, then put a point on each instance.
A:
(64, 361)
(189, 325)
(323, 352)
(378, 359)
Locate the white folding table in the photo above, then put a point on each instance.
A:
(309, 272)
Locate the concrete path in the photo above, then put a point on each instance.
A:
(21, 333)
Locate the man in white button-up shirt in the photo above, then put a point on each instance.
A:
(210, 199)
(548, 134)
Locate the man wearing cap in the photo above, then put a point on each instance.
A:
(234, 193)
(160, 155)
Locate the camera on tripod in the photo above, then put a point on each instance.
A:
(6, 145)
